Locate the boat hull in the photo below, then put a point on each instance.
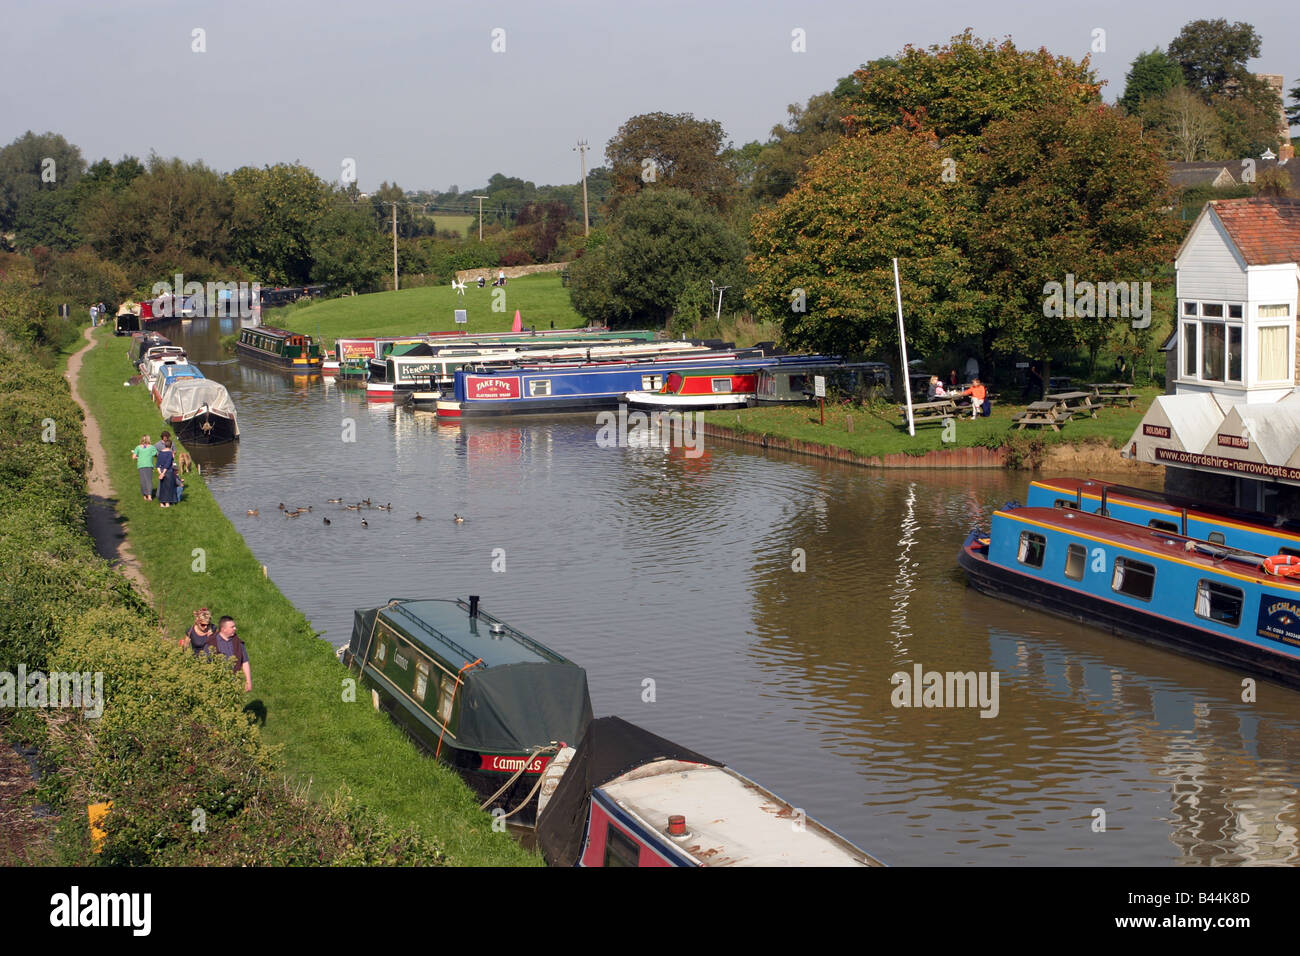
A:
(659, 400)
(1154, 629)
(297, 366)
(206, 428)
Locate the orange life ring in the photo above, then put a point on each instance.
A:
(1284, 565)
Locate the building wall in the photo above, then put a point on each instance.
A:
(1208, 268)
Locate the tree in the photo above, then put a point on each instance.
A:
(1151, 76)
(1181, 120)
(1248, 124)
(1213, 54)
(34, 163)
(661, 240)
(1063, 192)
(954, 91)
(347, 251)
(809, 130)
(821, 259)
(1293, 112)
(659, 150)
(277, 210)
(82, 277)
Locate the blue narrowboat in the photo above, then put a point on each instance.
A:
(172, 373)
(560, 387)
(1217, 603)
(1217, 524)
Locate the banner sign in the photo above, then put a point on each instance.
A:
(1279, 619)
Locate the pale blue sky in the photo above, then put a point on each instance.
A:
(414, 92)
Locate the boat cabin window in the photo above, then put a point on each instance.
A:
(381, 652)
(539, 387)
(1163, 525)
(446, 696)
(620, 849)
(721, 386)
(651, 383)
(1075, 559)
(1032, 548)
(1064, 503)
(421, 680)
(1218, 602)
(1215, 537)
(798, 385)
(1133, 578)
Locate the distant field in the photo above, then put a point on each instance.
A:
(455, 223)
(540, 298)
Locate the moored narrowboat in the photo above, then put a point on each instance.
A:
(472, 690)
(1218, 524)
(168, 374)
(292, 351)
(631, 798)
(701, 389)
(1217, 603)
(200, 412)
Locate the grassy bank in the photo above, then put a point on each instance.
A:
(324, 741)
(877, 429)
(541, 300)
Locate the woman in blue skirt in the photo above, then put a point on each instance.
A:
(166, 474)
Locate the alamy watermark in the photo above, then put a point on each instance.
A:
(637, 429)
(1099, 300)
(946, 689)
(58, 689)
(210, 301)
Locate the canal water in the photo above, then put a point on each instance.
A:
(754, 606)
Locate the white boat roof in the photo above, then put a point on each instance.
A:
(732, 821)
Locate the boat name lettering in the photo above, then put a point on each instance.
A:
(400, 661)
(1228, 464)
(492, 388)
(1156, 431)
(1279, 619)
(1234, 441)
(511, 764)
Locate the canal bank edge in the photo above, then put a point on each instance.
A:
(1054, 458)
(193, 556)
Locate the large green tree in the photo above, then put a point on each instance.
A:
(661, 150)
(347, 251)
(276, 212)
(808, 130)
(660, 240)
(35, 162)
(1152, 75)
(821, 258)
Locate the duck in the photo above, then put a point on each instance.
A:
(281, 505)
(418, 516)
(334, 501)
(387, 507)
(252, 512)
(356, 507)
(327, 521)
(366, 502)
(365, 523)
(458, 519)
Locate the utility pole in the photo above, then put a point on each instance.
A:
(719, 289)
(480, 216)
(394, 247)
(586, 219)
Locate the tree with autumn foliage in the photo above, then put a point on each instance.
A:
(821, 258)
(660, 150)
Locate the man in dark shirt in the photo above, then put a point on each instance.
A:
(225, 641)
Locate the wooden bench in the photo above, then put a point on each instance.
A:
(1041, 415)
(1075, 401)
(930, 411)
(1113, 393)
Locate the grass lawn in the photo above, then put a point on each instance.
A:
(453, 222)
(298, 685)
(877, 429)
(541, 300)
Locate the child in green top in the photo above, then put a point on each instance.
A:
(145, 454)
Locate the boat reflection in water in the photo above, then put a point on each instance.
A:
(1202, 747)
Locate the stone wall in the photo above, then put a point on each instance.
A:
(512, 272)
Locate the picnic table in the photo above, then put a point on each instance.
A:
(1042, 414)
(935, 411)
(1113, 393)
(1075, 401)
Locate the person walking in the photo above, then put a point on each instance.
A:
(166, 474)
(199, 636)
(145, 455)
(228, 643)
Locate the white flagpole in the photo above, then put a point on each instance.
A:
(902, 344)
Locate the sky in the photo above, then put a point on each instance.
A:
(436, 94)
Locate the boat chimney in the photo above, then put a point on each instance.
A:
(677, 826)
(1103, 510)
(1184, 531)
(473, 607)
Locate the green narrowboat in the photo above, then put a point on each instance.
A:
(288, 350)
(473, 691)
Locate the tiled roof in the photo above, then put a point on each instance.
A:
(1266, 231)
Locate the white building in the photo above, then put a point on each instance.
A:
(1234, 411)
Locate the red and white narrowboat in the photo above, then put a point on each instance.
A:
(707, 388)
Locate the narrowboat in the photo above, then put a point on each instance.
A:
(473, 691)
(701, 389)
(291, 351)
(167, 374)
(1218, 524)
(126, 323)
(784, 384)
(1213, 602)
(199, 412)
(142, 342)
(631, 798)
(580, 387)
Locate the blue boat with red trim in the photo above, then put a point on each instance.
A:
(1221, 604)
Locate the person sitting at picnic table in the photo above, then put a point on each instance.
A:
(936, 390)
(979, 402)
